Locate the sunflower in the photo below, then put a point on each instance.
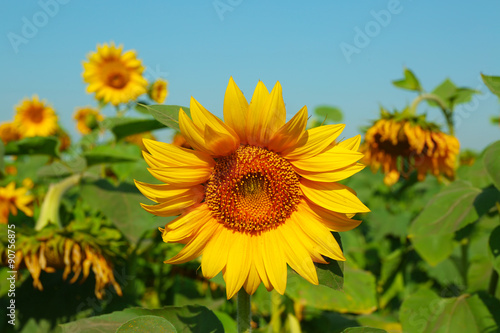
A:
(400, 146)
(56, 252)
(87, 119)
(35, 118)
(12, 199)
(9, 132)
(113, 76)
(256, 192)
(158, 91)
(180, 141)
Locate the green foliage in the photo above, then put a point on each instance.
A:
(123, 127)
(451, 94)
(109, 154)
(330, 113)
(409, 82)
(492, 163)
(192, 318)
(493, 83)
(433, 231)
(168, 115)
(147, 323)
(425, 311)
(34, 146)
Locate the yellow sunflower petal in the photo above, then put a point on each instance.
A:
(351, 143)
(290, 133)
(332, 196)
(253, 280)
(238, 263)
(163, 192)
(215, 254)
(194, 248)
(166, 154)
(235, 110)
(331, 176)
(297, 256)
(318, 233)
(186, 176)
(258, 260)
(334, 158)
(332, 220)
(192, 133)
(253, 125)
(174, 205)
(274, 260)
(313, 142)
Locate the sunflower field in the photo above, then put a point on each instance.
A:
(267, 221)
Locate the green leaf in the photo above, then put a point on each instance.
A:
(451, 95)
(121, 205)
(456, 206)
(192, 318)
(424, 311)
(358, 295)
(34, 146)
(168, 115)
(493, 83)
(476, 173)
(363, 330)
(123, 127)
(409, 82)
(331, 274)
(147, 323)
(491, 162)
(495, 247)
(331, 113)
(229, 323)
(59, 169)
(109, 154)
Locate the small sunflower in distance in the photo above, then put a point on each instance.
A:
(113, 75)
(400, 144)
(87, 119)
(12, 199)
(158, 91)
(256, 192)
(35, 118)
(9, 132)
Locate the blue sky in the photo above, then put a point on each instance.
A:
(198, 45)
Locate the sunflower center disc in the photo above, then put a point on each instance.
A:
(252, 190)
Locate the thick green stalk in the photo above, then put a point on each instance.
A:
(49, 212)
(244, 316)
(446, 112)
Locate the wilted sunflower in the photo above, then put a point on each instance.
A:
(400, 146)
(12, 199)
(35, 118)
(256, 192)
(115, 77)
(9, 132)
(158, 91)
(57, 252)
(87, 119)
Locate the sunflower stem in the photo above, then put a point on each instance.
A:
(444, 109)
(49, 212)
(244, 316)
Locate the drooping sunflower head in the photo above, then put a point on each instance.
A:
(87, 119)
(12, 199)
(158, 91)
(35, 118)
(401, 144)
(256, 192)
(9, 132)
(113, 75)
